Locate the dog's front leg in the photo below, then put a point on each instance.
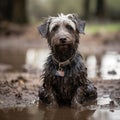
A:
(46, 96)
(85, 95)
(78, 99)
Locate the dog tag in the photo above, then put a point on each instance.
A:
(60, 73)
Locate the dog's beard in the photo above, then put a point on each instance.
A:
(63, 52)
(63, 48)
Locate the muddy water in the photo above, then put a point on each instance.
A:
(103, 110)
(32, 60)
(64, 113)
(108, 68)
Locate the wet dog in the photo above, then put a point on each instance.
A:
(65, 75)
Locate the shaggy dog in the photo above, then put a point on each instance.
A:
(65, 75)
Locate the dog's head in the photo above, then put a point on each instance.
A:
(62, 31)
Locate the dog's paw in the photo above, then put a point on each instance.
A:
(47, 97)
(75, 104)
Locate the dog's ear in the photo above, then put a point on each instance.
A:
(80, 24)
(43, 29)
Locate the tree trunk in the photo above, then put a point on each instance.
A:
(100, 8)
(13, 10)
(86, 8)
(19, 11)
(5, 10)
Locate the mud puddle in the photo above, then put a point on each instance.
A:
(38, 112)
(105, 109)
(19, 100)
(106, 66)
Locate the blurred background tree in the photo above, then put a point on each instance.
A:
(23, 11)
(86, 8)
(101, 8)
(13, 10)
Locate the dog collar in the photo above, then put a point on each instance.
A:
(64, 63)
(60, 72)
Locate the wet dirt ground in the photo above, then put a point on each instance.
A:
(19, 100)
(19, 83)
(21, 90)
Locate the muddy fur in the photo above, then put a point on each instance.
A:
(72, 89)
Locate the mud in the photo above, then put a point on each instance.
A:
(19, 100)
(21, 90)
(18, 89)
(19, 82)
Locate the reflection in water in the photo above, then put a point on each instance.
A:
(35, 59)
(91, 66)
(63, 113)
(104, 100)
(110, 66)
(106, 115)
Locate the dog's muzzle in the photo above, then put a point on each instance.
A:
(63, 40)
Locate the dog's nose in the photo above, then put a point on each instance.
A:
(63, 40)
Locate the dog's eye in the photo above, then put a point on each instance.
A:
(69, 27)
(55, 28)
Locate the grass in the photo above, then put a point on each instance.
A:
(108, 27)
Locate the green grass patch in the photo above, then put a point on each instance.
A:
(108, 27)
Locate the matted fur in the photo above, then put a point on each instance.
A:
(61, 19)
(73, 88)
